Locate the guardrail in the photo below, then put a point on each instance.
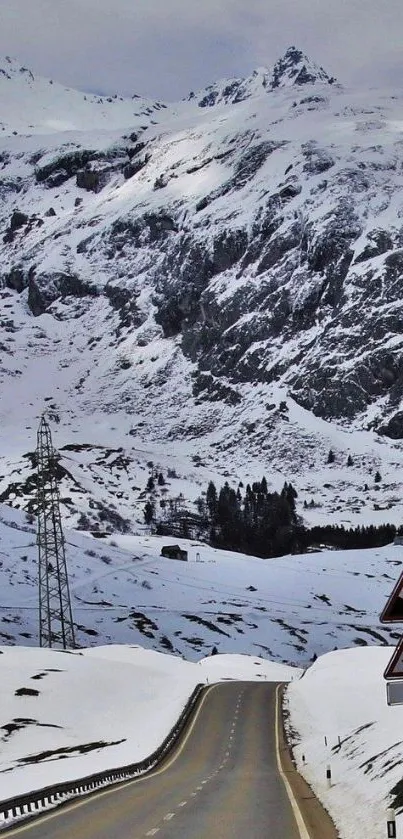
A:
(32, 803)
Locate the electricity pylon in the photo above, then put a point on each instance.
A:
(55, 616)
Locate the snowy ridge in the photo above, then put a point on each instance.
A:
(35, 105)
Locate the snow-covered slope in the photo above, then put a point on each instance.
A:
(35, 105)
(123, 591)
(339, 718)
(217, 294)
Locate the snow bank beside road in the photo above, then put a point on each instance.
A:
(343, 696)
(67, 715)
(219, 668)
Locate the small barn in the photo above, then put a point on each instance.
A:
(174, 552)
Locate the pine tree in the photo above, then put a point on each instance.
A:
(148, 512)
(211, 501)
(290, 494)
(331, 457)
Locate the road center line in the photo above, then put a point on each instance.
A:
(168, 817)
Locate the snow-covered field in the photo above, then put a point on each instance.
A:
(339, 718)
(123, 591)
(67, 715)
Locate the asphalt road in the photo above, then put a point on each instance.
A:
(221, 782)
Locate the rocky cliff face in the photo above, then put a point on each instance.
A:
(219, 257)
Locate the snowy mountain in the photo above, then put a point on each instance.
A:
(204, 291)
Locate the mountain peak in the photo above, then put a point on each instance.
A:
(295, 68)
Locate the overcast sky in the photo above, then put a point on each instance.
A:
(165, 48)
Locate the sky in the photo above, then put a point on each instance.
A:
(165, 48)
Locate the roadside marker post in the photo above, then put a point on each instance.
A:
(391, 824)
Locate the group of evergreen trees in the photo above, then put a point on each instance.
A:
(256, 521)
(342, 538)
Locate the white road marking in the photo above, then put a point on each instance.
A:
(182, 804)
(303, 832)
(153, 831)
(168, 817)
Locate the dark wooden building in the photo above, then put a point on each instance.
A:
(174, 552)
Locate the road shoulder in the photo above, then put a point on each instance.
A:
(317, 823)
